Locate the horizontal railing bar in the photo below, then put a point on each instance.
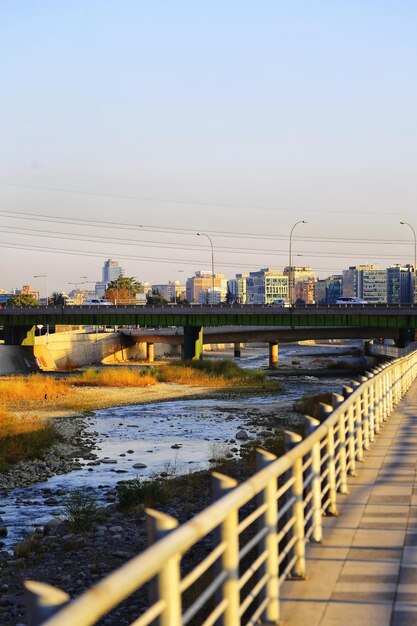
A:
(285, 529)
(287, 548)
(152, 613)
(284, 509)
(255, 617)
(308, 480)
(253, 542)
(253, 594)
(215, 614)
(284, 488)
(202, 567)
(288, 568)
(252, 569)
(203, 597)
(256, 514)
(307, 463)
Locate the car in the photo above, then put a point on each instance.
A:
(283, 303)
(97, 302)
(350, 300)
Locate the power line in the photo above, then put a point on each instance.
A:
(189, 231)
(195, 202)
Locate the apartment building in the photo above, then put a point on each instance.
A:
(265, 286)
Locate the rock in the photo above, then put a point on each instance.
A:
(3, 531)
(139, 466)
(176, 446)
(116, 529)
(242, 434)
(130, 451)
(51, 501)
(109, 461)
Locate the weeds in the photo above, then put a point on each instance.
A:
(24, 438)
(115, 377)
(80, 510)
(218, 374)
(142, 492)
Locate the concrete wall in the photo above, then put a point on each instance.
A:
(16, 360)
(68, 350)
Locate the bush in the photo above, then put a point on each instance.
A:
(80, 510)
(144, 492)
(114, 377)
(24, 438)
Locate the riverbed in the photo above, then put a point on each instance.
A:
(168, 438)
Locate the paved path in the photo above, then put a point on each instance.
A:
(365, 571)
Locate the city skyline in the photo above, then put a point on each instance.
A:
(227, 119)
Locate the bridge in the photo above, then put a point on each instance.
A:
(399, 322)
(324, 535)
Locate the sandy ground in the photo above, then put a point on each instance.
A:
(104, 397)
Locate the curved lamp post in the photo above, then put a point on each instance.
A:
(415, 254)
(212, 261)
(290, 290)
(46, 277)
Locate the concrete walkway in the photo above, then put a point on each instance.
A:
(365, 571)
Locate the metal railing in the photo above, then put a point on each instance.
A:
(254, 535)
(393, 352)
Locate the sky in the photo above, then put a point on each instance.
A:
(127, 127)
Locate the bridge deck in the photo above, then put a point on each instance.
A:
(365, 572)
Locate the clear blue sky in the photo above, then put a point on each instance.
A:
(236, 116)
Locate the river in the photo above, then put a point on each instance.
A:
(167, 437)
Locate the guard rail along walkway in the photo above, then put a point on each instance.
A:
(254, 534)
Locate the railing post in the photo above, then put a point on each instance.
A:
(229, 534)
(351, 442)
(325, 410)
(299, 569)
(337, 400)
(269, 520)
(365, 413)
(43, 601)
(377, 400)
(316, 519)
(166, 585)
(371, 406)
(358, 423)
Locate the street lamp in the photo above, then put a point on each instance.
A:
(46, 278)
(79, 282)
(415, 243)
(212, 261)
(290, 290)
(175, 286)
(415, 254)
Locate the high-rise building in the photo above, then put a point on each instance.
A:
(265, 286)
(328, 290)
(400, 284)
(111, 271)
(236, 287)
(298, 274)
(203, 281)
(366, 282)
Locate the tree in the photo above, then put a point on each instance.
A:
(123, 290)
(156, 298)
(57, 299)
(22, 299)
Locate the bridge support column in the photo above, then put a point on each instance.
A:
(176, 349)
(237, 349)
(193, 342)
(19, 335)
(150, 353)
(273, 354)
(405, 336)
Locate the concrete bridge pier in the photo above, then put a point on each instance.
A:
(237, 349)
(273, 354)
(193, 342)
(150, 352)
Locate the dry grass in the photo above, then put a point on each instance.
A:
(217, 374)
(116, 377)
(23, 438)
(31, 389)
